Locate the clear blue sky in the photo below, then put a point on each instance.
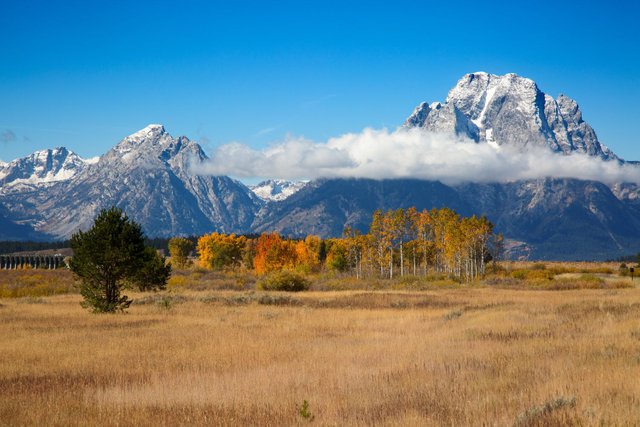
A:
(84, 74)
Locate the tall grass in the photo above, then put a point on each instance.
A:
(514, 275)
(469, 356)
(35, 283)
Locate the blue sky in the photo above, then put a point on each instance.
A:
(84, 74)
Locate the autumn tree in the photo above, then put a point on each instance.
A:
(219, 251)
(179, 249)
(398, 239)
(355, 244)
(439, 238)
(316, 253)
(273, 253)
(337, 255)
(379, 241)
(424, 243)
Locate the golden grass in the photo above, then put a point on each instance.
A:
(513, 275)
(565, 266)
(476, 356)
(35, 283)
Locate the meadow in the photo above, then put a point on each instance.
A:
(512, 349)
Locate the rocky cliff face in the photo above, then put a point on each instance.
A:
(510, 110)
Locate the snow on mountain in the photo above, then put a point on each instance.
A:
(510, 110)
(41, 167)
(276, 190)
(147, 174)
(150, 175)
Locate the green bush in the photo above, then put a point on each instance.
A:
(623, 270)
(532, 274)
(284, 281)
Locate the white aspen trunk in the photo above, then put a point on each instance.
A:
(424, 247)
(401, 259)
(414, 258)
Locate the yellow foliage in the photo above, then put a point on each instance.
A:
(177, 282)
(218, 251)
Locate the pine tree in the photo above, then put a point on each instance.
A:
(110, 256)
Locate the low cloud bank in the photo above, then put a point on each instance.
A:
(407, 153)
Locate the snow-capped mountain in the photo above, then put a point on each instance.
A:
(510, 110)
(544, 219)
(41, 167)
(275, 190)
(147, 174)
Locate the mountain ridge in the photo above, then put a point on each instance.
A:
(150, 174)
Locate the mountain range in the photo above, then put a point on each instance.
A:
(52, 193)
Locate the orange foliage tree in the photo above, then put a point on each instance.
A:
(273, 253)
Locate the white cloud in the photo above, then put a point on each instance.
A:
(407, 153)
(266, 131)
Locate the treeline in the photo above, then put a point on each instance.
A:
(162, 243)
(626, 258)
(9, 247)
(399, 242)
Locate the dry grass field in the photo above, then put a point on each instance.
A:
(470, 356)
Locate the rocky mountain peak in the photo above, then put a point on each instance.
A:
(153, 147)
(474, 93)
(146, 138)
(149, 130)
(40, 167)
(276, 190)
(510, 110)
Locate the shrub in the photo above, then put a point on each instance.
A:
(304, 411)
(278, 300)
(177, 282)
(546, 414)
(623, 270)
(284, 281)
(537, 274)
(180, 248)
(454, 314)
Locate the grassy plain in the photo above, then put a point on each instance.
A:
(217, 352)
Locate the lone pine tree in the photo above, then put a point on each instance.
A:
(111, 256)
